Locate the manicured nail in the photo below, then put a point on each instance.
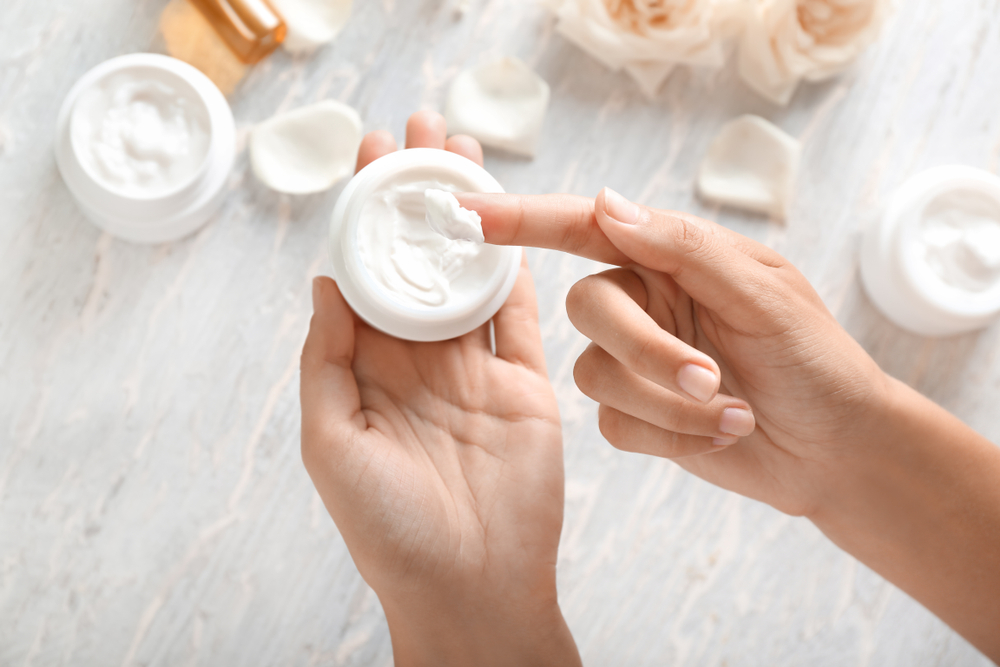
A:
(619, 208)
(736, 421)
(698, 381)
(724, 442)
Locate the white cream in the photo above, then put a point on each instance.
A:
(140, 133)
(447, 217)
(932, 265)
(959, 240)
(415, 264)
(398, 274)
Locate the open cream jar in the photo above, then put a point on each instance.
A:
(145, 144)
(395, 271)
(933, 264)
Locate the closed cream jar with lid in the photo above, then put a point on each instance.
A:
(933, 263)
(395, 271)
(145, 144)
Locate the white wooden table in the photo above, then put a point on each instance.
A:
(153, 506)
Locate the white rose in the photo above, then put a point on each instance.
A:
(786, 41)
(647, 38)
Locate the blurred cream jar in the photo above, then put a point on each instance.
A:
(145, 144)
(395, 270)
(933, 264)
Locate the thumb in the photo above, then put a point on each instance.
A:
(331, 403)
(701, 257)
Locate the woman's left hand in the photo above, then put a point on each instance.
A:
(441, 464)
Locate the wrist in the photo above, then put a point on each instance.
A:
(859, 448)
(921, 507)
(484, 631)
(883, 461)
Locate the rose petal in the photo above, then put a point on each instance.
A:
(502, 104)
(307, 149)
(593, 37)
(312, 23)
(649, 76)
(751, 164)
(695, 34)
(786, 41)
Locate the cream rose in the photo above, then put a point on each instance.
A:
(786, 41)
(647, 38)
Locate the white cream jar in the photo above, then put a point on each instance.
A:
(395, 271)
(145, 144)
(933, 264)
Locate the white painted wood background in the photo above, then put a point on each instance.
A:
(153, 506)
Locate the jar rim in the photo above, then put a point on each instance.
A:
(910, 202)
(372, 302)
(164, 217)
(152, 69)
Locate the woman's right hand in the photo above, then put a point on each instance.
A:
(700, 326)
(708, 348)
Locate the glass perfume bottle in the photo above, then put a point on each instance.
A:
(251, 28)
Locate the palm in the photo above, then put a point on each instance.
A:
(441, 463)
(804, 401)
(464, 447)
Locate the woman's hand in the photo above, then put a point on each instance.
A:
(703, 339)
(441, 464)
(887, 475)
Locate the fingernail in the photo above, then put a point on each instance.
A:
(725, 442)
(317, 291)
(737, 421)
(619, 208)
(698, 381)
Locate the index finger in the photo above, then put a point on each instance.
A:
(559, 222)
(568, 223)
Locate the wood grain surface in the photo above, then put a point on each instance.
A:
(153, 505)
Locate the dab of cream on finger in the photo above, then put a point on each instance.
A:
(447, 217)
(422, 246)
(400, 248)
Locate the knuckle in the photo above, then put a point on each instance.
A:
(570, 239)
(585, 372)
(630, 282)
(680, 236)
(690, 235)
(642, 353)
(698, 239)
(520, 215)
(674, 417)
(678, 445)
(609, 423)
(575, 238)
(580, 298)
